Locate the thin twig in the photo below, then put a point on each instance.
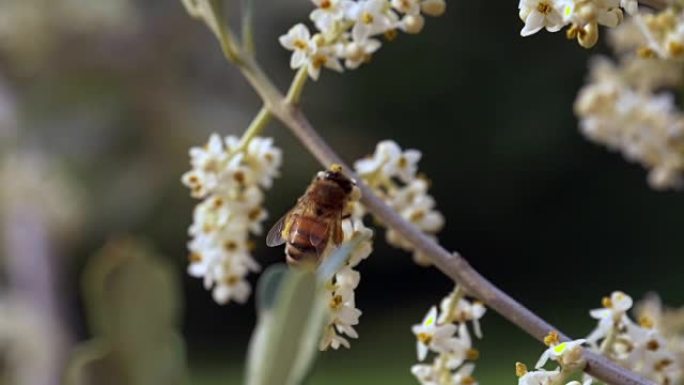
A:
(451, 264)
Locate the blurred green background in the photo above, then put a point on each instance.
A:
(116, 94)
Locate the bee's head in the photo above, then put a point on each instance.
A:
(334, 174)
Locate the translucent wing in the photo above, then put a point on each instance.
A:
(338, 234)
(331, 236)
(319, 239)
(275, 235)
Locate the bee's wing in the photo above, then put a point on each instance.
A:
(333, 235)
(338, 234)
(275, 235)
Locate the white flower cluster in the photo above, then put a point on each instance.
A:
(568, 355)
(41, 185)
(341, 298)
(620, 109)
(29, 29)
(392, 173)
(346, 31)
(229, 177)
(661, 34)
(639, 347)
(583, 17)
(651, 313)
(446, 334)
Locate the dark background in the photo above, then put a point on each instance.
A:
(555, 221)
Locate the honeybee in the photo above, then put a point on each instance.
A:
(315, 222)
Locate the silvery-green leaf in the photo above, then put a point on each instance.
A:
(279, 348)
(268, 285)
(285, 340)
(338, 258)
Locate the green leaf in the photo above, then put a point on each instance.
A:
(133, 307)
(292, 312)
(333, 263)
(267, 288)
(284, 342)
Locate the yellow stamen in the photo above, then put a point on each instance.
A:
(646, 322)
(472, 354)
(367, 18)
(424, 338)
(336, 302)
(646, 53)
(300, 44)
(552, 338)
(607, 302)
(544, 8)
(520, 369)
(391, 34)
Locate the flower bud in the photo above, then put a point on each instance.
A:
(413, 24)
(353, 52)
(433, 7)
(588, 36)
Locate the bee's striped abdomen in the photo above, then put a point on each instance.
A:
(306, 239)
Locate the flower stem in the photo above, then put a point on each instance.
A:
(264, 115)
(256, 127)
(247, 26)
(455, 298)
(608, 342)
(297, 86)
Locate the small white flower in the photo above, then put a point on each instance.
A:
(323, 57)
(331, 339)
(409, 7)
(391, 161)
(386, 152)
(412, 24)
(539, 377)
(207, 164)
(328, 13)
(298, 40)
(433, 7)
(426, 374)
(538, 14)
(265, 159)
(464, 375)
(432, 336)
(371, 17)
(357, 53)
(232, 287)
(350, 227)
(566, 353)
(464, 311)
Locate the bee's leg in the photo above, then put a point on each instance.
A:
(347, 212)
